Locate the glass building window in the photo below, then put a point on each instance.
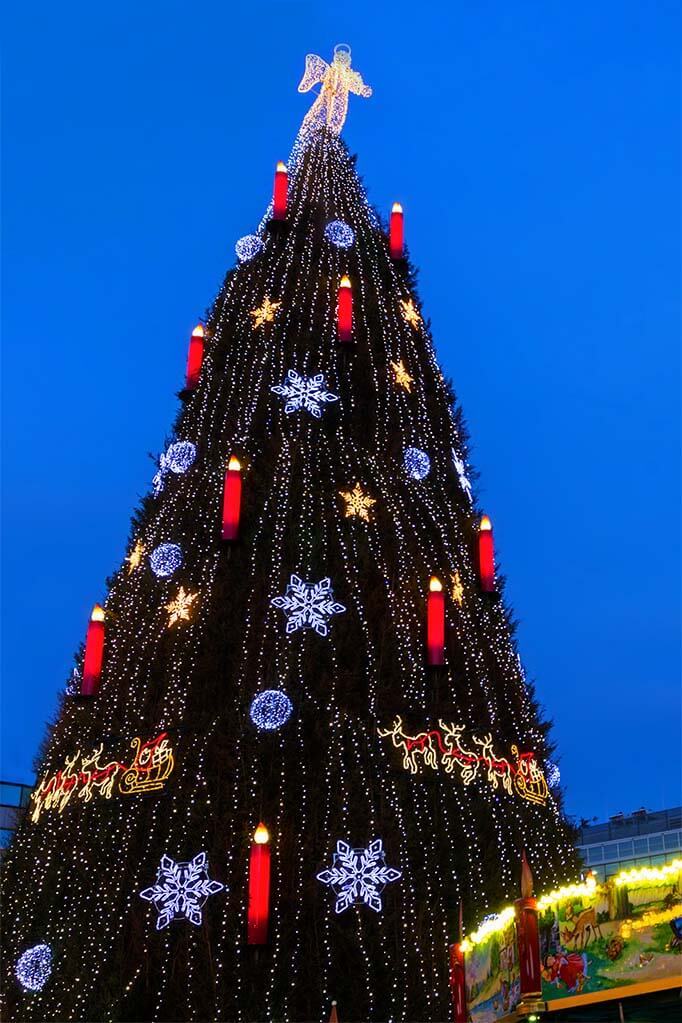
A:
(625, 848)
(655, 843)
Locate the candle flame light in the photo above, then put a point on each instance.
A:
(486, 555)
(232, 500)
(280, 194)
(345, 310)
(396, 233)
(261, 835)
(195, 357)
(97, 614)
(435, 623)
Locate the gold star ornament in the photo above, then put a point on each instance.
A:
(180, 609)
(401, 376)
(265, 313)
(358, 503)
(457, 589)
(134, 559)
(410, 312)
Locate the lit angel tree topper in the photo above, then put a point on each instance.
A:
(279, 703)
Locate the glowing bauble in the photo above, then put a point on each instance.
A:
(248, 247)
(340, 234)
(417, 463)
(165, 559)
(34, 967)
(552, 774)
(270, 710)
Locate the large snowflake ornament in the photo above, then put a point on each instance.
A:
(308, 605)
(181, 889)
(358, 875)
(308, 393)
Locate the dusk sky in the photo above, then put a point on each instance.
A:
(535, 149)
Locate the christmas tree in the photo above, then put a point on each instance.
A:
(299, 733)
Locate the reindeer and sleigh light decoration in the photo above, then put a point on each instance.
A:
(449, 748)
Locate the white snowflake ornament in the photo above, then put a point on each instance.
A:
(358, 875)
(308, 605)
(307, 393)
(181, 889)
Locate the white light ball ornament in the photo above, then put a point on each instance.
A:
(417, 463)
(340, 234)
(270, 710)
(553, 774)
(34, 967)
(165, 559)
(248, 247)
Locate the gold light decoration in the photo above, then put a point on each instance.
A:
(337, 80)
(457, 589)
(87, 776)
(134, 559)
(265, 313)
(358, 503)
(450, 749)
(644, 877)
(180, 608)
(410, 312)
(402, 377)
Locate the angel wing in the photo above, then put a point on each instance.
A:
(315, 70)
(357, 86)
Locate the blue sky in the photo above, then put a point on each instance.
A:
(535, 148)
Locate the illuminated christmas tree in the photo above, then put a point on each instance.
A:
(300, 732)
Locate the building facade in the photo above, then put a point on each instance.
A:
(642, 839)
(13, 798)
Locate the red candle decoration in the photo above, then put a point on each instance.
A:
(279, 198)
(232, 499)
(345, 310)
(435, 624)
(397, 232)
(458, 991)
(527, 935)
(486, 555)
(259, 887)
(94, 650)
(195, 357)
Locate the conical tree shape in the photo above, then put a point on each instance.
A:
(451, 816)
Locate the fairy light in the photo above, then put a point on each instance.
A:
(430, 526)
(648, 876)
